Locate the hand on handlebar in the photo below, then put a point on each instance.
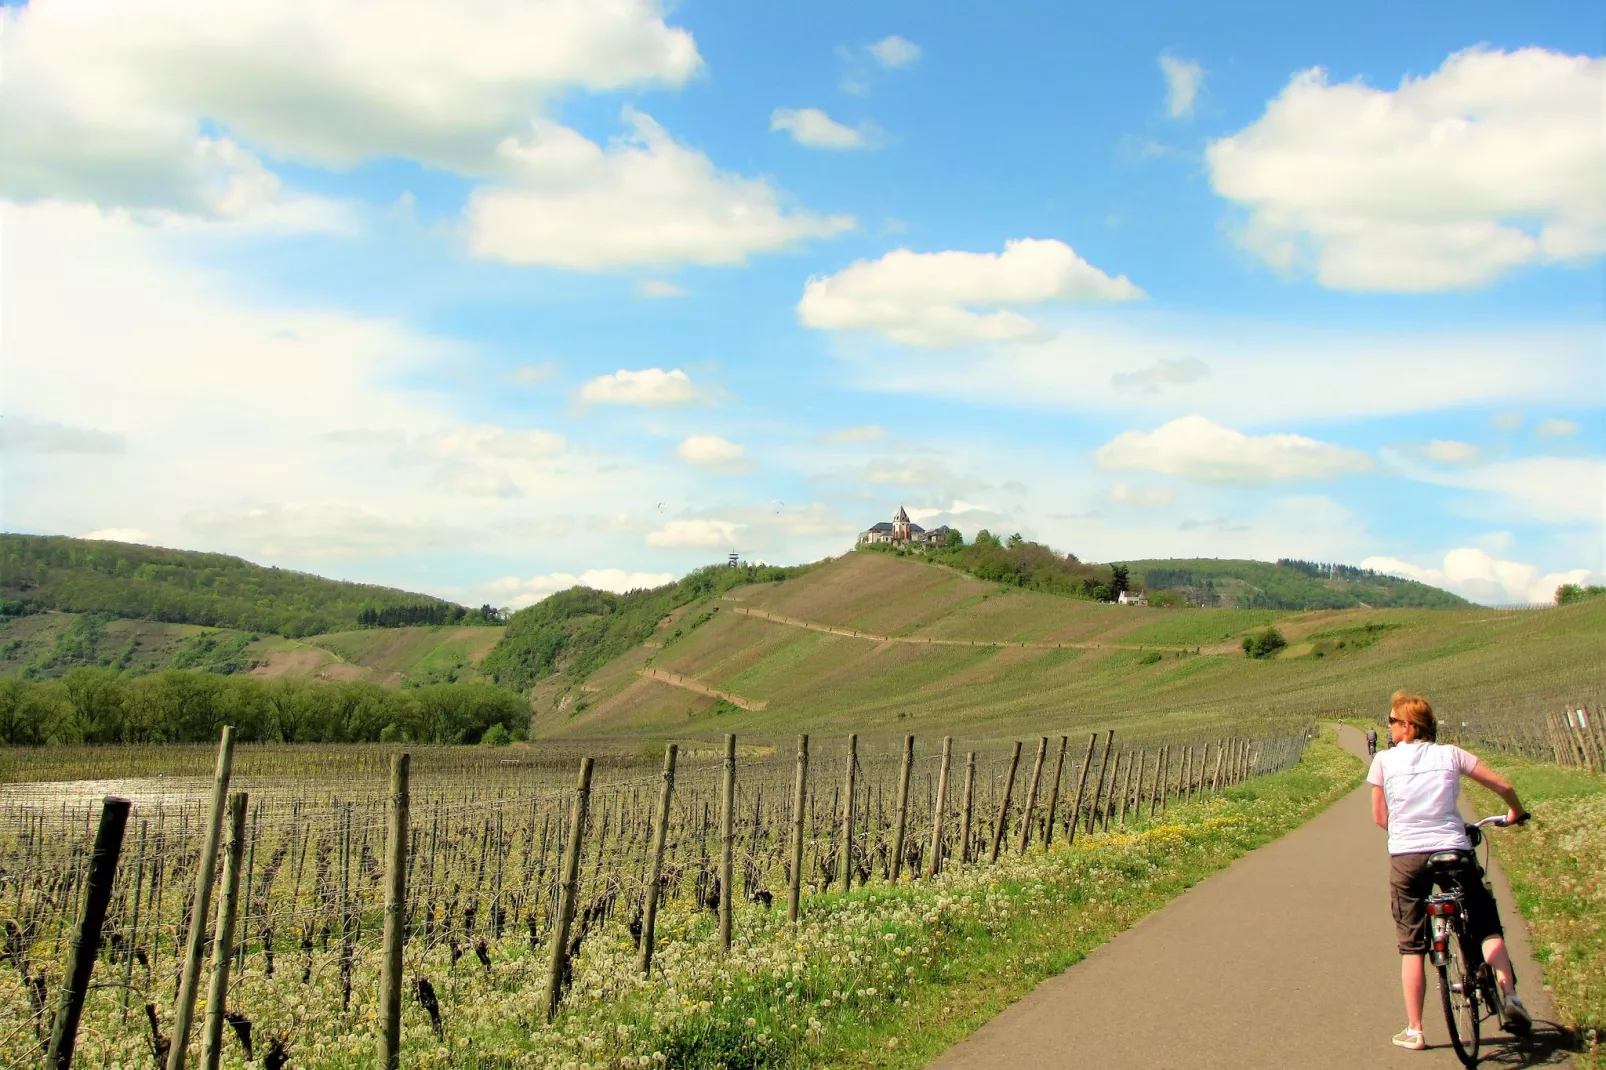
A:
(1516, 817)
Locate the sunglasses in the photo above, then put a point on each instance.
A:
(1396, 720)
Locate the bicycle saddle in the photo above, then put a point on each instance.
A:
(1446, 859)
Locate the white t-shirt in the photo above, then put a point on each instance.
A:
(1422, 783)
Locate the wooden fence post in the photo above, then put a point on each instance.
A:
(800, 788)
(201, 906)
(395, 933)
(1075, 817)
(1098, 788)
(1054, 795)
(567, 890)
(903, 806)
(1221, 753)
(1003, 806)
(217, 994)
(1031, 795)
(1124, 767)
(1159, 780)
(86, 936)
(727, 843)
(939, 811)
(131, 937)
(970, 807)
(649, 916)
(847, 814)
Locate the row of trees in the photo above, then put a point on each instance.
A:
(1018, 561)
(189, 587)
(107, 706)
(1568, 593)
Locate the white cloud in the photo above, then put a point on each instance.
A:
(1556, 429)
(701, 532)
(710, 451)
(849, 435)
(534, 374)
(1452, 452)
(1195, 448)
(292, 529)
(1161, 374)
(134, 535)
(644, 199)
(927, 299)
(894, 51)
(1182, 78)
(1143, 497)
(19, 434)
(814, 129)
(957, 508)
(117, 104)
(649, 387)
(1558, 490)
(1475, 575)
(659, 289)
(1507, 421)
(1492, 162)
(517, 593)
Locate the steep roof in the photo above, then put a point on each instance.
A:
(900, 517)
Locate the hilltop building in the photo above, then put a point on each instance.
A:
(901, 531)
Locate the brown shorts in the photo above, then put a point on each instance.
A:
(1410, 884)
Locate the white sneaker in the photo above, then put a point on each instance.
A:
(1514, 1017)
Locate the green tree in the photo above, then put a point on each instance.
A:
(955, 539)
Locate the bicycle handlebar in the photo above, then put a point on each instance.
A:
(1499, 821)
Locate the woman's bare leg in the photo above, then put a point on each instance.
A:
(1413, 979)
(1495, 954)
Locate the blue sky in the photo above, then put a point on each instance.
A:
(483, 300)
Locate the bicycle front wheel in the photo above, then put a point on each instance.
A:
(1458, 989)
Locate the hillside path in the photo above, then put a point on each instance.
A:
(914, 640)
(1286, 958)
(664, 676)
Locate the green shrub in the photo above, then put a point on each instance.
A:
(1153, 657)
(496, 736)
(1264, 644)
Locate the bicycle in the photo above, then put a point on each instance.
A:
(1467, 984)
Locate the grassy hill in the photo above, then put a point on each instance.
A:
(874, 642)
(43, 572)
(1230, 584)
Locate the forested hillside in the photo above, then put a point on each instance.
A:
(1288, 584)
(189, 587)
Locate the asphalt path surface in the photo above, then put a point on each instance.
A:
(1284, 959)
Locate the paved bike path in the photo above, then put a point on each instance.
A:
(1284, 959)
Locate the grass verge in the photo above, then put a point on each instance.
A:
(1557, 867)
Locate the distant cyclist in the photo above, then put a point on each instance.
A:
(1415, 787)
(1371, 742)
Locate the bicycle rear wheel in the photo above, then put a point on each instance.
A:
(1458, 989)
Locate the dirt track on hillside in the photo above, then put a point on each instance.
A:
(1284, 959)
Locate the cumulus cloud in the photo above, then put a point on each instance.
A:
(1195, 448)
(659, 289)
(894, 51)
(710, 451)
(1182, 79)
(651, 387)
(1558, 490)
(849, 435)
(1161, 374)
(814, 129)
(1143, 497)
(134, 535)
(324, 529)
(516, 593)
(929, 299)
(1492, 162)
(704, 532)
(1556, 429)
(954, 509)
(1452, 452)
(1479, 577)
(643, 199)
(120, 104)
(19, 434)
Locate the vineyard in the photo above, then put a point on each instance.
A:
(520, 895)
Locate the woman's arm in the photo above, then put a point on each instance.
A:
(1492, 780)
(1380, 807)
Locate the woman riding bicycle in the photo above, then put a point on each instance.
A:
(1416, 785)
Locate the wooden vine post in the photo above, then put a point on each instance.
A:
(1003, 806)
(727, 841)
(86, 936)
(800, 788)
(201, 905)
(940, 808)
(1098, 789)
(1054, 795)
(846, 861)
(390, 966)
(1075, 817)
(568, 888)
(1221, 753)
(903, 806)
(968, 813)
(217, 994)
(1031, 795)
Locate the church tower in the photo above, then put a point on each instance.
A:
(900, 525)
